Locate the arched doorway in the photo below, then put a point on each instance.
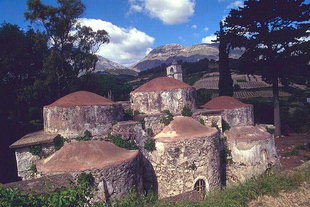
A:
(200, 186)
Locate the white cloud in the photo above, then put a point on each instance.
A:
(235, 4)
(206, 29)
(127, 45)
(194, 26)
(168, 11)
(208, 39)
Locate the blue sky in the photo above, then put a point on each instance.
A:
(137, 26)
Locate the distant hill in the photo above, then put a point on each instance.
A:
(166, 53)
(105, 66)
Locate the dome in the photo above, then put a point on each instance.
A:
(161, 84)
(181, 128)
(224, 102)
(82, 98)
(79, 156)
(247, 133)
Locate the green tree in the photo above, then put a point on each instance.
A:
(71, 46)
(225, 80)
(271, 31)
(21, 60)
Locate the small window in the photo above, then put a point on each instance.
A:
(171, 70)
(200, 186)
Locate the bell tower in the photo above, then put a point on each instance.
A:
(175, 71)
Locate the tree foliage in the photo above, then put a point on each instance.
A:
(273, 34)
(225, 80)
(71, 46)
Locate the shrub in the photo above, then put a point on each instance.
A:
(126, 144)
(186, 112)
(128, 114)
(149, 144)
(36, 150)
(59, 142)
(86, 180)
(225, 126)
(33, 169)
(87, 136)
(167, 118)
(214, 124)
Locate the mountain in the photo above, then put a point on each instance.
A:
(105, 66)
(166, 53)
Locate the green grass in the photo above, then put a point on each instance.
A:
(235, 196)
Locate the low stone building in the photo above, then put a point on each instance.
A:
(76, 112)
(115, 169)
(235, 113)
(162, 94)
(29, 149)
(252, 152)
(186, 158)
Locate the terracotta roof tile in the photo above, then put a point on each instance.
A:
(224, 102)
(82, 98)
(80, 156)
(182, 128)
(161, 84)
(247, 133)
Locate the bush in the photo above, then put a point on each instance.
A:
(214, 124)
(87, 136)
(149, 144)
(36, 150)
(86, 180)
(33, 169)
(59, 142)
(167, 118)
(126, 144)
(186, 112)
(225, 126)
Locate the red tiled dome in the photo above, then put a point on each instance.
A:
(224, 102)
(181, 128)
(79, 156)
(161, 84)
(82, 98)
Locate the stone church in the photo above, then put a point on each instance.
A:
(189, 152)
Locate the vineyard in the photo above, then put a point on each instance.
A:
(255, 94)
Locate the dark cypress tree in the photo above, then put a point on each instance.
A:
(273, 33)
(225, 80)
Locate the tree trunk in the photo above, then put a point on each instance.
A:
(276, 108)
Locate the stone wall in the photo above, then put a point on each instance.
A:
(178, 165)
(239, 116)
(249, 158)
(114, 182)
(73, 121)
(151, 121)
(130, 130)
(25, 159)
(209, 117)
(157, 101)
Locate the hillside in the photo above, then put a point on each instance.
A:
(166, 53)
(105, 66)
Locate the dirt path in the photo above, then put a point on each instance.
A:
(293, 150)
